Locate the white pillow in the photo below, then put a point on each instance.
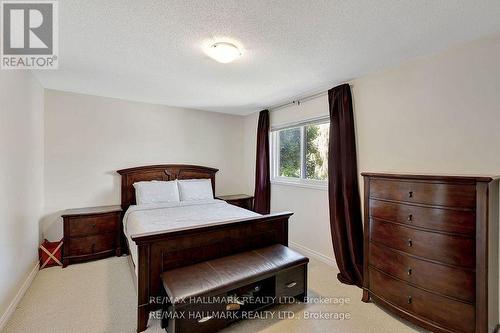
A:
(148, 192)
(195, 189)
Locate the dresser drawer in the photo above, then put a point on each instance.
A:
(452, 195)
(443, 311)
(454, 250)
(80, 246)
(442, 279)
(93, 225)
(291, 282)
(448, 220)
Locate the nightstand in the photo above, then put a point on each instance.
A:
(91, 233)
(240, 200)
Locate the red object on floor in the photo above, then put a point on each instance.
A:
(50, 253)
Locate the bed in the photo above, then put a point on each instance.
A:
(176, 217)
(167, 236)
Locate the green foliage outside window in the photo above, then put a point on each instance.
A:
(315, 150)
(290, 152)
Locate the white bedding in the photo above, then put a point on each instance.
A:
(177, 215)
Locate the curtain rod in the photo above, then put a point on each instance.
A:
(298, 100)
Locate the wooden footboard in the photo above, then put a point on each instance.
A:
(161, 251)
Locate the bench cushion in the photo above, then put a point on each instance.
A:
(195, 280)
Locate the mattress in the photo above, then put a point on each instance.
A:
(141, 219)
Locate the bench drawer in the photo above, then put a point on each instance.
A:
(200, 317)
(291, 282)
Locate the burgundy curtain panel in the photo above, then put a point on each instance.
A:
(262, 196)
(343, 192)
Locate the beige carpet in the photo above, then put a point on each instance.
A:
(99, 297)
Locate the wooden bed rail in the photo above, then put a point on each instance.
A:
(152, 236)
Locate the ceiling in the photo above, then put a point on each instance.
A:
(150, 51)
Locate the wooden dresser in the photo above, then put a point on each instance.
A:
(426, 249)
(91, 233)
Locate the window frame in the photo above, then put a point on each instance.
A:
(275, 155)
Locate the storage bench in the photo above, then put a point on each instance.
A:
(209, 296)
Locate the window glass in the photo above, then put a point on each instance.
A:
(289, 152)
(316, 151)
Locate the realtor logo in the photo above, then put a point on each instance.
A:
(29, 35)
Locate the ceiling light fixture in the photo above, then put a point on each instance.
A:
(223, 52)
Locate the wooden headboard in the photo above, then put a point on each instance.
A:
(160, 172)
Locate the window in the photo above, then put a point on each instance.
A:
(300, 153)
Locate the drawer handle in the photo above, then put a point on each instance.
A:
(410, 217)
(410, 194)
(409, 299)
(409, 271)
(233, 307)
(291, 285)
(93, 225)
(205, 319)
(410, 243)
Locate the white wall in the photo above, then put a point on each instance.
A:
(88, 138)
(439, 114)
(249, 151)
(21, 179)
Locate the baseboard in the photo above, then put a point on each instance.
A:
(15, 302)
(314, 254)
